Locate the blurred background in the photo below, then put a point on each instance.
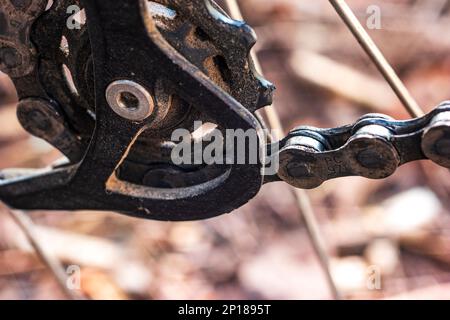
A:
(386, 239)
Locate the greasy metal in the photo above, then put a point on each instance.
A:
(42, 119)
(436, 140)
(373, 148)
(178, 62)
(190, 65)
(46, 83)
(17, 54)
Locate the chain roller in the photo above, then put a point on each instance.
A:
(374, 147)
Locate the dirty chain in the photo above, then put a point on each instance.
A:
(109, 93)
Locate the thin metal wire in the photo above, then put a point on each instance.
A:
(28, 228)
(302, 198)
(372, 50)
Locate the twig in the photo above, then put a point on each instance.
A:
(57, 270)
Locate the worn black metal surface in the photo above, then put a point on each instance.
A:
(129, 45)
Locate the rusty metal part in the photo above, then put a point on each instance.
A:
(41, 119)
(189, 63)
(373, 148)
(66, 70)
(109, 94)
(43, 30)
(17, 53)
(436, 140)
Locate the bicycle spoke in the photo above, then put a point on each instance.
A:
(302, 198)
(372, 50)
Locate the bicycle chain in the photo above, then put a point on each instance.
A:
(38, 111)
(374, 147)
(18, 55)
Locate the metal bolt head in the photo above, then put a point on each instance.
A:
(130, 100)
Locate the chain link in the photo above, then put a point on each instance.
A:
(374, 147)
(17, 54)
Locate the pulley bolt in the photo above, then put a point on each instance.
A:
(130, 100)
